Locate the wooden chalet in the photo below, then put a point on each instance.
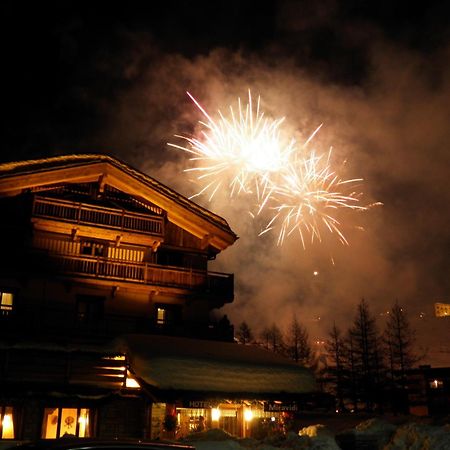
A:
(96, 253)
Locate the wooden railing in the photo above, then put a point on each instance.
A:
(85, 214)
(217, 283)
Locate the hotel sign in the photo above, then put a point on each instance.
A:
(280, 407)
(201, 404)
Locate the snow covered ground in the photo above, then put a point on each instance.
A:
(373, 434)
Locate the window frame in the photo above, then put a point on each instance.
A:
(94, 248)
(6, 309)
(172, 315)
(90, 428)
(90, 309)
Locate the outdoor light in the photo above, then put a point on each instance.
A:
(132, 383)
(215, 414)
(248, 415)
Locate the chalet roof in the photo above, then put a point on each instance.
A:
(28, 174)
(182, 364)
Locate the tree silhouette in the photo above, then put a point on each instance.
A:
(297, 343)
(336, 370)
(244, 333)
(272, 339)
(398, 339)
(365, 352)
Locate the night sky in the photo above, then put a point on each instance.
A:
(111, 77)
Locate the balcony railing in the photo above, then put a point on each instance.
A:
(84, 214)
(215, 283)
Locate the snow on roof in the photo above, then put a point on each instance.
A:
(102, 349)
(64, 161)
(185, 364)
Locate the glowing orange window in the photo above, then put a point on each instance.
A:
(65, 422)
(7, 422)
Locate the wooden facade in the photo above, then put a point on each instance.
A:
(92, 250)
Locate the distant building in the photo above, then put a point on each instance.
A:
(105, 302)
(442, 309)
(428, 390)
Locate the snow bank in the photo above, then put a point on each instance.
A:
(374, 434)
(315, 437)
(319, 437)
(414, 436)
(370, 434)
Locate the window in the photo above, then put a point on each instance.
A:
(6, 422)
(90, 309)
(6, 303)
(62, 422)
(93, 248)
(170, 258)
(161, 316)
(436, 384)
(167, 315)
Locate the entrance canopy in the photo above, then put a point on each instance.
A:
(182, 364)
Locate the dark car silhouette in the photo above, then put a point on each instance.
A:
(97, 444)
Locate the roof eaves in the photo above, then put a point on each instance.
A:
(73, 160)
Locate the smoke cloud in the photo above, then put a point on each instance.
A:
(389, 125)
(391, 130)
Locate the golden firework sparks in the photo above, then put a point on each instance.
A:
(307, 198)
(241, 150)
(246, 152)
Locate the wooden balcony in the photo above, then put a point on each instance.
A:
(219, 285)
(95, 216)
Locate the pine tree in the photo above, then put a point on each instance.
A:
(297, 343)
(399, 340)
(366, 356)
(244, 333)
(336, 370)
(273, 339)
(350, 362)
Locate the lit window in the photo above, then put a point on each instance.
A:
(167, 314)
(63, 422)
(6, 422)
(215, 414)
(161, 316)
(436, 384)
(6, 303)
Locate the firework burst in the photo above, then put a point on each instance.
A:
(296, 187)
(307, 199)
(241, 151)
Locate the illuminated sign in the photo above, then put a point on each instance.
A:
(200, 404)
(280, 407)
